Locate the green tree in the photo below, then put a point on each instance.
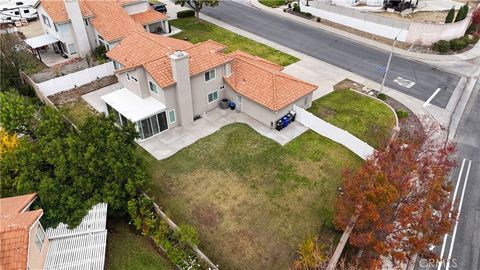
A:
(450, 15)
(197, 5)
(17, 113)
(72, 171)
(462, 13)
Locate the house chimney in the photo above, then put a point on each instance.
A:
(228, 69)
(181, 74)
(80, 33)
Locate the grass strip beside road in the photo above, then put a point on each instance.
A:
(368, 119)
(202, 31)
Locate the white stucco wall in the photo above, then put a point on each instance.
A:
(136, 7)
(201, 89)
(365, 22)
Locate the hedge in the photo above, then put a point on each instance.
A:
(442, 46)
(185, 13)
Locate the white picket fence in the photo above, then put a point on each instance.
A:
(75, 79)
(359, 147)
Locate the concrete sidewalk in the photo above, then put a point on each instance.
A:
(465, 56)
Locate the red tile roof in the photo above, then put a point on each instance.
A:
(267, 86)
(57, 11)
(202, 57)
(143, 47)
(149, 17)
(111, 21)
(259, 61)
(108, 16)
(15, 225)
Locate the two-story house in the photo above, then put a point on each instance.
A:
(25, 245)
(169, 82)
(80, 26)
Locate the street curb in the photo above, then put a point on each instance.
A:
(465, 56)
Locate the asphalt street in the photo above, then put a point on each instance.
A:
(461, 248)
(344, 53)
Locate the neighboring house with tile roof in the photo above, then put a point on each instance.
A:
(23, 244)
(80, 26)
(168, 82)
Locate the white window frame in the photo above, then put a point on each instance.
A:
(46, 21)
(174, 115)
(63, 26)
(211, 93)
(68, 48)
(210, 76)
(156, 87)
(37, 237)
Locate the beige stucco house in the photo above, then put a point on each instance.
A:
(169, 82)
(79, 26)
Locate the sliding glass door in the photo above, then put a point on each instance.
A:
(152, 125)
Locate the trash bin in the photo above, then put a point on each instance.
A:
(232, 105)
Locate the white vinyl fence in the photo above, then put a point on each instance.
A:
(359, 147)
(76, 79)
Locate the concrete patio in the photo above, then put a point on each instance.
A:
(166, 144)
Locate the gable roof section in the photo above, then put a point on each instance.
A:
(149, 17)
(15, 225)
(202, 56)
(57, 11)
(111, 21)
(142, 47)
(267, 86)
(255, 60)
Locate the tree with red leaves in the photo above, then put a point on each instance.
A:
(399, 200)
(476, 18)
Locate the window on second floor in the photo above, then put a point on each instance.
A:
(153, 87)
(63, 28)
(117, 65)
(46, 21)
(210, 75)
(40, 237)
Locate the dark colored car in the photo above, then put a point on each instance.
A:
(160, 8)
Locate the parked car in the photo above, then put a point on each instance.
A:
(160, 8)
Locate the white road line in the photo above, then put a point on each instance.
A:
(451, 209)
(458, 216)
(431, 97)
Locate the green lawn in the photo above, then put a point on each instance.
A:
(272, 3)
(252, 200)
(77, 111)
(127, 250)
(202, 31)
(364, 117)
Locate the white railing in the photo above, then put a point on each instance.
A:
(75, 79)
(357, 146)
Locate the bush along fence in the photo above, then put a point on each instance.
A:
(178, 242)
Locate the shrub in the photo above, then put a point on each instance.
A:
(458, 44)
(296, 7)
(450, 15)
(319, 19)
(187, 234)
(401, 114)
(462, 13)
(442, 46)
(185, 13)
(382, 96)
(307, 14)
(100, 53)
